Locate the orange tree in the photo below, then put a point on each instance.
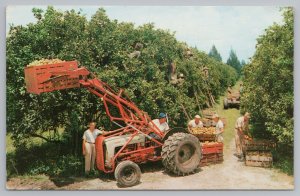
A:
(268, 86)
(103, 46)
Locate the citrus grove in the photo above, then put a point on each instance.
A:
(158, 72)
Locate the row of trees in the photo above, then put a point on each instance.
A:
(269, 87)
(232, 60)
(137, 59)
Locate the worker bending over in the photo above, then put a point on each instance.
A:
(241, 126)
(219, 128)
(195, 123)
(88, 146)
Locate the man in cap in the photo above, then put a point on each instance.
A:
(88, 146)
(195, 123)
(241, 126)
(161, 122)
(219, 128)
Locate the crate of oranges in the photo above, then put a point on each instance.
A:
(204, 133)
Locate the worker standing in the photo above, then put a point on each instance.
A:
(88, 146)
(219, 128)
(195, 123)
(240, 128)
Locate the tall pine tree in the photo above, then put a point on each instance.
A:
(243, 63)
(234, 61)
(215, 54)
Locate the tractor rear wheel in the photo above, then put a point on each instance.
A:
(181, 154)
(127, 174)
(225, 103)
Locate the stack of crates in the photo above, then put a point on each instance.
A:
(212, 151)
(258, 152)
(207, 120)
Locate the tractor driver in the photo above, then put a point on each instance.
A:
(88, 146)
(160, 123)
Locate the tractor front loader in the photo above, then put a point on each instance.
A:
(121, 150)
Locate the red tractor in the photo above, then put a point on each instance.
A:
(120, 150)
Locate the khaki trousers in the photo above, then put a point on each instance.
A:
(90, 156)
(238, 143)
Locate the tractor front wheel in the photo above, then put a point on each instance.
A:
(127, 174)
(181, 154)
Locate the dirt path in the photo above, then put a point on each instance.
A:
(230, 174)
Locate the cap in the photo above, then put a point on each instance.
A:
(215, 116)
(162, 115)
(197, 116)
(247, 114)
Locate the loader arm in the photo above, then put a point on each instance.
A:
(48, 78)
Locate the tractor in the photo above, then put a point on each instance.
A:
(120, 151)
(232, 100)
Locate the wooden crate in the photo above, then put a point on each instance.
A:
(257, 145)
(208, 113)
(210, 123)
(258, 163)
(35, 77)
(206, 137)
(212, 148)
(210, 159)
(259, 159)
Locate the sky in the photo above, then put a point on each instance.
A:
(226, 27)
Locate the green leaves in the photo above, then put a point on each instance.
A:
(269, 85)
(103, 46)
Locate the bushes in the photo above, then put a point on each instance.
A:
(67, 165)
(268, 85)
(47, 158)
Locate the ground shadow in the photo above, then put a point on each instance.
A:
(63, 181)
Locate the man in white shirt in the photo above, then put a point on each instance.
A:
(161, 124)
(240, 127)
(195, 123)
(219, 128)
(88, 146)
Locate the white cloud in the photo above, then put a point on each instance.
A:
(226, 27)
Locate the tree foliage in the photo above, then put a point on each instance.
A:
(103, 46)
(268, 83)
(215, 54)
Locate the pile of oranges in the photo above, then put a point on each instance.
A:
(44, 62)
(204, 130)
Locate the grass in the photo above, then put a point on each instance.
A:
(34, 141)
(230, 115)
(10, 148)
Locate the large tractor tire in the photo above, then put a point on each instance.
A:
(181, 154)
(127, 174)
(225, 103)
